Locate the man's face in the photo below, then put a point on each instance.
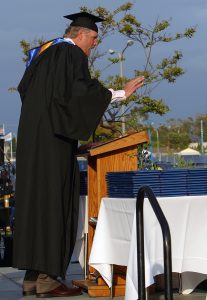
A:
(88, 40)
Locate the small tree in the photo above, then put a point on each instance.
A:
(139, 105)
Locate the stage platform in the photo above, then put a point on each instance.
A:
(11, 279)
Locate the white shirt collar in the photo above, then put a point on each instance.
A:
(69, 40)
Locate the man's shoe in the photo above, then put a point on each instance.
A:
(61, 291)
(29, 293)
(29, 288)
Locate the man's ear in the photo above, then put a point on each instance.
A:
(80, 34)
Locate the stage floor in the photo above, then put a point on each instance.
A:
(11, 280)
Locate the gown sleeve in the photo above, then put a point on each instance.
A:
(77, 113)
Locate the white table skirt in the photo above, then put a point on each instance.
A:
(112, 237)
(78, 252)
(115, 240)
(187, 219)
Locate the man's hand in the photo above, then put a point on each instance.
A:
(133, 85)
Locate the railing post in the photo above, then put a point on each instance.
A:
(140, 243)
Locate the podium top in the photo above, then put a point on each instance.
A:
(115, 144)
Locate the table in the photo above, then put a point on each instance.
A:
(115, 240)
(112, 237)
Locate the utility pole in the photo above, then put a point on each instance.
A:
(202, 148)
(121, 59)
(158, 144)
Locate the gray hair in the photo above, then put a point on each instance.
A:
(72, 31)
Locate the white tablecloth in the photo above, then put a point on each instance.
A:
(111, 242)
(187, 218)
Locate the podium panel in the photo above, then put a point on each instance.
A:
(117, 155)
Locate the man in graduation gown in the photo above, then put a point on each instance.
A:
(61, 104)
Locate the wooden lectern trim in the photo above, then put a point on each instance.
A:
(120, 143)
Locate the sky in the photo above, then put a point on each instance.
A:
(27, 19)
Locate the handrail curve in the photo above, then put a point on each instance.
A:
(146, 190)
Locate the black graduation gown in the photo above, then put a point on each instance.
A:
(61, 104)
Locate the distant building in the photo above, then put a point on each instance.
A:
(195, 145)
(189, 151)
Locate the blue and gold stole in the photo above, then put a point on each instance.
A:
(35, 52)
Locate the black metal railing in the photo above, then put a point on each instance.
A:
(142, 192)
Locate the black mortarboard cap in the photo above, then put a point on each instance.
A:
(84, 19)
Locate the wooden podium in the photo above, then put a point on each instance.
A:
(117, 155)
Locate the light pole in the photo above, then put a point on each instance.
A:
(202, 148)
(158, 144)
(121, 59)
